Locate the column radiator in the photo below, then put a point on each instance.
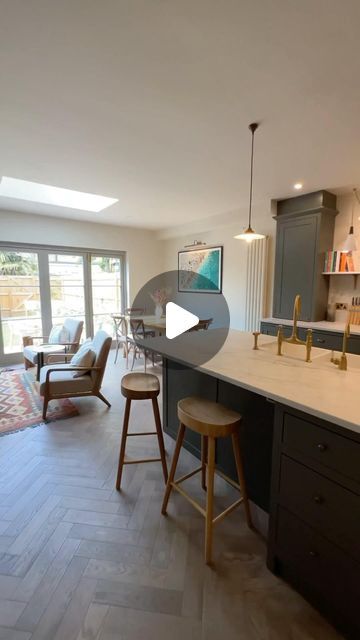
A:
(255, 283)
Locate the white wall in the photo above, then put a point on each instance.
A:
(221, 230)
(142, 247)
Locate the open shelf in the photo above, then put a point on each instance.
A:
(344, 273)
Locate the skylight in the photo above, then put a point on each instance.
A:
(46, 194)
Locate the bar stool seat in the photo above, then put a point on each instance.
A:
(208, 418)
(140, 386)
(211, 420)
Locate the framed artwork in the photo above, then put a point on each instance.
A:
(200, 270)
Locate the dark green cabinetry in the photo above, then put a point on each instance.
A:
(314, 536)
(302, 470)
(321, 338)
(305, 229)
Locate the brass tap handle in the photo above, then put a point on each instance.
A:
(256, 337)
(280, 338)
(309, 341)
(296, 316)
(343, 362)
(343, 358)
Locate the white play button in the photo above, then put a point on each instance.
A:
(178, 320)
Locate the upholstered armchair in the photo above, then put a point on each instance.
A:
(32, 344)
(71, 381)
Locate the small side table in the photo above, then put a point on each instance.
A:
(46, 349)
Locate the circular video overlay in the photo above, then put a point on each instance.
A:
(182, 315)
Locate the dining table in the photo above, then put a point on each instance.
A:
(150, 321)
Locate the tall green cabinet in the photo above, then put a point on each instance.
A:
(305, 231)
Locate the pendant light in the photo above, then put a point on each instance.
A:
(249, 234)
(350, 243)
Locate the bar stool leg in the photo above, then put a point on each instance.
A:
(241, 476)
(160, 437)
(209, 499)
(179, 441)
(123, 443)
(204, 447)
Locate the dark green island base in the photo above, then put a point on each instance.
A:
(302, 471)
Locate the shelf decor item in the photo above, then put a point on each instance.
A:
(249, 234)
(342, 262)
(200, 270)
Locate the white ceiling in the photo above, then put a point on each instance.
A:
(148, 101)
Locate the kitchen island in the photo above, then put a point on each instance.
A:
(300, 437)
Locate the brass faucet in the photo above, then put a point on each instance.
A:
(294, 338)
(342, 361)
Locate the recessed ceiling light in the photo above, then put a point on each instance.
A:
(46, 194)
(298, 186)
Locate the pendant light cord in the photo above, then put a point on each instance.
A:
(252, 128)
(356, 196)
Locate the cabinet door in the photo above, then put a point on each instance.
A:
(295, 265)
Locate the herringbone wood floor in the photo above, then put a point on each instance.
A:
(79, 561)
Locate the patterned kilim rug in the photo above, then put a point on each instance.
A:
(21, 405)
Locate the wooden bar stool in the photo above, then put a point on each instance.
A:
(140, 386)
(211, 420)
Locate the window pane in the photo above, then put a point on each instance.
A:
(19, 298)
(105, 323)
(66, 287)
(106, 291)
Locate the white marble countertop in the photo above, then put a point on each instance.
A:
(324, 325)
(318, 388)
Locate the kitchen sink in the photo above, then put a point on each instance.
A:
(353, 361)
(293, 351)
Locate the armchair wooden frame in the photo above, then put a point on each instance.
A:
(95, 391)
(29, 340)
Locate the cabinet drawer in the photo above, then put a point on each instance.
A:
(316, 444)
(354, 345)
(326, 340)
(331, 576)
(325, 505)
(270, 329)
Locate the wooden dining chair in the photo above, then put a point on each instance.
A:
(202, 325)
(139, 333)
(122, 337)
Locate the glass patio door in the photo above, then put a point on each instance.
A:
(20, 305)
(41, 286)
(67, 287)
(106, 290)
